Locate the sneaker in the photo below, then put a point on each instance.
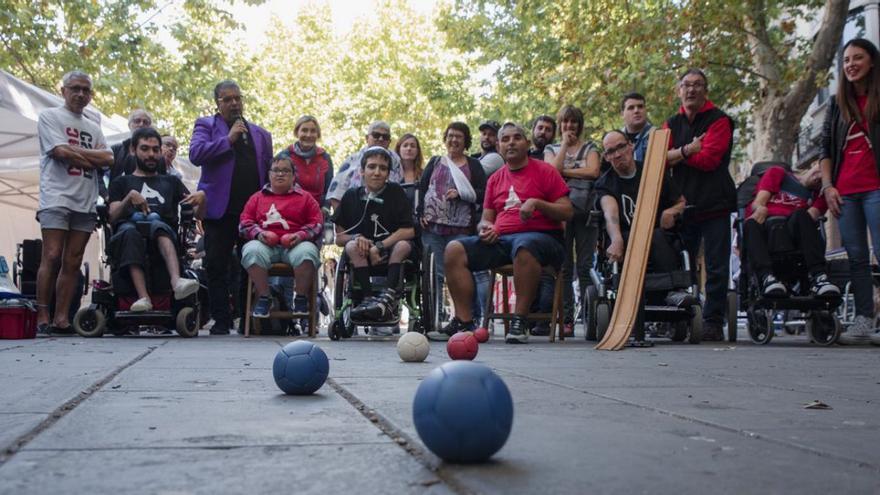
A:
(680, 299)
(859, 333)
(185, 287)
(386, 307)
(300, 304)
(712, 331)
(141, 305)
(359, 309)
(517, 333)
(823, 287)
(381, 331)
(453, 327)
(262, 308)
(772, 287)
(542, 329)
(219, 329)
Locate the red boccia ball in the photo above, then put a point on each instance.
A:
(269, 238)
(481, 334)
(287, 240)
(462, 345)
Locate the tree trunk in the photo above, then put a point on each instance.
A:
(781, 105)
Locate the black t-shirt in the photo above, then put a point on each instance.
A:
(625, 191)
(245, 176)
(162, 192)
(381, 219)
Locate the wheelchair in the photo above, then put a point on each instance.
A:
(819, 314)
(418, 291)
(111, 300)
(661, 315)
(28, 256)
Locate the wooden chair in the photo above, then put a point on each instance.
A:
(554, 317)
(283, 270)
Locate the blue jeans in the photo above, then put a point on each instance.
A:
(435, 243)
(859, 213)
(715, 235)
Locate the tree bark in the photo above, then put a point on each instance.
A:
(781, 106)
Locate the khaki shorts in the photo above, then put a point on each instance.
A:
(60, 218)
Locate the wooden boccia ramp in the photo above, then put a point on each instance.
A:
(636, 258)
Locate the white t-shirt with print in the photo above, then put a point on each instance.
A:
(60, 184)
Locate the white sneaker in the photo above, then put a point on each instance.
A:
(859, 333)
(142, 304)
(185, 287)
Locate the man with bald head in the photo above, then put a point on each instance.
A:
(124, 163)
(525, 206)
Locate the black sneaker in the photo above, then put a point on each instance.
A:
(300, 304)
(262, 308)
(542, 329)
(383, 308)
(453, 327)
(219, 329)
(822, 287)
(518, 333)
(772, 287)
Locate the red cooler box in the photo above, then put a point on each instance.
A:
(17, 322)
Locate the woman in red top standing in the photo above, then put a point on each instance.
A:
(312, 164)
(851, 175)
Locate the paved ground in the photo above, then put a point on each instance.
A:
(175, 416)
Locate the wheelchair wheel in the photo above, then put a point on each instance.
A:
(695, 329)
(732, 317)
(603, 319)
(823, 327)
(760, 325)
(680, 330)
(591, 301)
(187, 322)
(89, 322)
(341, 327)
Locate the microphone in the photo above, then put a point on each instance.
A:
(244, 135)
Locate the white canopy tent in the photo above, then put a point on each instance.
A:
(20, 106)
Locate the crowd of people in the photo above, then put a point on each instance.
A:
(522, 199)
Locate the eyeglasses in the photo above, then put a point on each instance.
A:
(281, 171)
(79, 89)
(696, 85)
(613, 151)
(378, 136)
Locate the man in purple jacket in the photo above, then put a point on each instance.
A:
(235, 156)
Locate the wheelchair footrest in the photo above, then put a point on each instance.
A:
(803, 303)
(144, 317)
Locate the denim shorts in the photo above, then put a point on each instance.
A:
(546, 248)
(60, 218)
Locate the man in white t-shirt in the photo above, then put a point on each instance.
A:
(72, 152)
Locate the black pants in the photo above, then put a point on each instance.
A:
(662, 257)
(799, 229)
(223, 269)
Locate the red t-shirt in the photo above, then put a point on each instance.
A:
(858, 169)
(507, 190)
(781, 203)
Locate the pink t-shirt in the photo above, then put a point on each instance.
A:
(507, 190)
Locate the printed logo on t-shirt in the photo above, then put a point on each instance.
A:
(513, 200)
(82, 139)
(379, 230)
(274, 216)
(629, 208)
(149, 193)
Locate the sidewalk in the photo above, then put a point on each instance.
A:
(169, 415)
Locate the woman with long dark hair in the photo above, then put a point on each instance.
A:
(851, 175)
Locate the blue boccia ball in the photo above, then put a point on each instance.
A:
(300, 368)
(463, 412)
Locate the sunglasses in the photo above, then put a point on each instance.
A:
(378, 136)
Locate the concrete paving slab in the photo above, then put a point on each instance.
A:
(14, 425)
(318, 470)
